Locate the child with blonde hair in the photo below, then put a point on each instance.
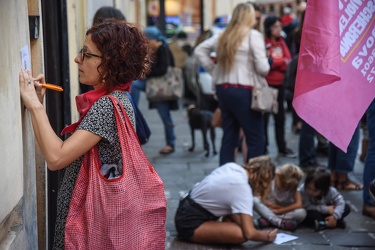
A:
(282, 207)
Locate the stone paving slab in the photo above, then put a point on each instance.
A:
(366, 239)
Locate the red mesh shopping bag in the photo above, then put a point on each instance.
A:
(124, 213)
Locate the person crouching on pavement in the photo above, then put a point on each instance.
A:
(219, 209)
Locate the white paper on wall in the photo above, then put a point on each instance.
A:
(25, 58)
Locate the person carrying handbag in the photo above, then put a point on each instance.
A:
(232, 74)
(110, 196)
(163, 58)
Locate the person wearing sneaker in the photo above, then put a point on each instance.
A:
(282, 207)
(219, 209)
(325, 206)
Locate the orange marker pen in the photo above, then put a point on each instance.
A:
(52, 87)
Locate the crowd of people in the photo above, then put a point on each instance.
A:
(317, 202)
(221, 207)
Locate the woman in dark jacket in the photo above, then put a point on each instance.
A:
(162, 59)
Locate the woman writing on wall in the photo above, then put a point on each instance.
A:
(113, 54)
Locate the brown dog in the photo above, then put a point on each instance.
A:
(201, 119)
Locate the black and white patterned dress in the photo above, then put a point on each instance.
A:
(100, 120)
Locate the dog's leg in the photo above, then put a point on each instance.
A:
(191, 149)
(205, 142)
(213, 137)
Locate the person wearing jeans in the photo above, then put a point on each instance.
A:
(235, 115)
(241, 53)
(136, 88)
(368, 208)
(165, 115)
(341, 164)
(307, 151)
(163, 58)
(307, 154)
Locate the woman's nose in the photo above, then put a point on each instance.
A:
(77, 59)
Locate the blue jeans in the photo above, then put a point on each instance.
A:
(369, 170)
(135, 89)
(307, 156)
(342, 162)
(163, 109)
(165, 115)
(235, 103)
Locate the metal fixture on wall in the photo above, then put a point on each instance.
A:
(34, 27)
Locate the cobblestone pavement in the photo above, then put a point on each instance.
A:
(180, 170)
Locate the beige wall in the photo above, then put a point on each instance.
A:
(76, 31)
(18, 227)
(12, 40)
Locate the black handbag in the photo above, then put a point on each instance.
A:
(141, 126)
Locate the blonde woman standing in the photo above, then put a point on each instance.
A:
(232, 76)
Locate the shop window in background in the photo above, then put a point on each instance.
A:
(180, 16)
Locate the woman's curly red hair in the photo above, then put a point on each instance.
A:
(125, 52)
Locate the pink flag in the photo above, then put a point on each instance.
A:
(336, 74)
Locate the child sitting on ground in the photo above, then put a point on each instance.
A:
(282, 207)
(324, 205)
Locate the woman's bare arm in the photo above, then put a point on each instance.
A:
(58, 153)
(250, 233)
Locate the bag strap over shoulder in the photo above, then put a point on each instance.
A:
(259, 81)
(126, 132)
(119, 108)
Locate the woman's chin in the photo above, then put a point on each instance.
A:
(87, 83)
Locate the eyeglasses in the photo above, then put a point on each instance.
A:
(87, 54)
